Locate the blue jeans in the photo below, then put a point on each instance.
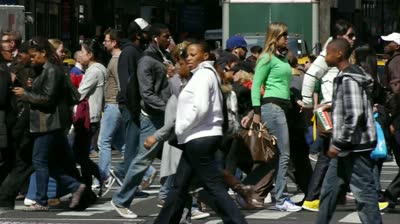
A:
(166, 185)
(111, 133)
(275, 119)
(51, 190)
(132, 134)
(50, 157)
(356, 170)
(141, 163)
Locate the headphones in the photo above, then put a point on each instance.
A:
(155, 39)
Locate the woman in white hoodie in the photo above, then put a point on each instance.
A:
(91, 89)
(198, 128)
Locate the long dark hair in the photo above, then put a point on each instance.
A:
(366, 58)
(340, 28)
(42, 44)
(94, 47)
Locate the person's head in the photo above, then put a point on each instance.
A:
(112, 39)
(344, 30)
(178, 53)
(78, 56)
(197, 52)
(7, 43)
(242, 76)
(365, 57)
(392, 43)
(160, 35)
(276, 38)
(337, 51)
(91, 52)
(58, 47)
(237, 45)
(11, 40)
(23, 54)
(256, 51)
(137, 31)
(41, 51)
(225, 62)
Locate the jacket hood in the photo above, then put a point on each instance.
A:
(360, 76)
(98, 66)
(125, 43)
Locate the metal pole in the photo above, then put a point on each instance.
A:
(225, 22)
(315, 25)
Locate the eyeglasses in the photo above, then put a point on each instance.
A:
(285, 35)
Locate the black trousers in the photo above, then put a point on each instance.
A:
(19, 173)
(314, 188)
(393, 190)
(198, 159)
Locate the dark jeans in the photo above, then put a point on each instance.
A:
(82, 143)
(393, 190)
(314, 188)
(198, 159)
(355, 169)
(51, 156)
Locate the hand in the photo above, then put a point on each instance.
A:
(150, 141)
(170, 70)
(375, 108)
(29, 83)
(245, 121)
(300, 104)
(332, 152)
(18, 91)
(323, 107)
(13, 77)
(257, 118)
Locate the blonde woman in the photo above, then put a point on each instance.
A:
(274, 72)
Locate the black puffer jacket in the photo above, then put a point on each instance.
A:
(48, 101)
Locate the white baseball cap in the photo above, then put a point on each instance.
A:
(395, 37)
(143, 24)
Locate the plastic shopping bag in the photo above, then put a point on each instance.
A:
(380, 150)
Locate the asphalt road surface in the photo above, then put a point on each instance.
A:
(103, 213)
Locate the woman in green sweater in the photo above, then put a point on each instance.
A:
(274, 72)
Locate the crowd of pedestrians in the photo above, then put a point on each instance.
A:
(184, 104)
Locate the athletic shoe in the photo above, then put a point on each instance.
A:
(313, 157)
(116, 177)
(383, 205)
(107, 185)
(160, 203)
(28, 202)
(312, 206)
(147, 182)
(288, 206)
(197, 214)
(37, 208)
(124, 212)
(268, 199)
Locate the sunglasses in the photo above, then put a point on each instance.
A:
(285, 35)
(33, 43)
(351, 35)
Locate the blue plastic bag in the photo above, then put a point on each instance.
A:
(380, 151)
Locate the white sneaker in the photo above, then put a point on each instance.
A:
(124, 212)
(288, 206)
(116, 177)
(197, 214)
(268, 199)
(28, 202)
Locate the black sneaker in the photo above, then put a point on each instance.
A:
(141, 194)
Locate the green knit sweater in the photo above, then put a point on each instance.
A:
(275, 76)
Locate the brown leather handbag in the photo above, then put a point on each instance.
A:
(259, 142)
